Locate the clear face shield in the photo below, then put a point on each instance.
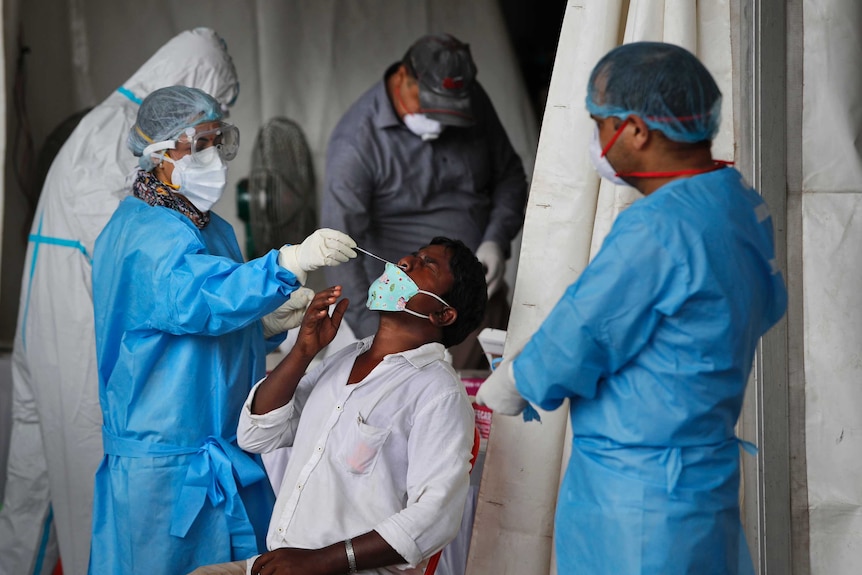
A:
(224, 137)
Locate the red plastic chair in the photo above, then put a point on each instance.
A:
(435, 559)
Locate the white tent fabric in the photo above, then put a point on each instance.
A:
(5, 365)
(2, 147)
(568, 215)
(307, 61)
(832, 275)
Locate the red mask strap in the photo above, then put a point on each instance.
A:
(617, 134)
(716, 165)
(400, 100)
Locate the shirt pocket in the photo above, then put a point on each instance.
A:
(362, 447)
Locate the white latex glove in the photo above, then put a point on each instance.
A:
(491, 256)
(498, 391)
(324, 247)
(289, 314)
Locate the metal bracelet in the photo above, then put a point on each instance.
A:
(351, 556)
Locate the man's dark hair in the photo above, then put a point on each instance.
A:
(469, 293)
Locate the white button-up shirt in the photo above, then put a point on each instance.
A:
(390, 453)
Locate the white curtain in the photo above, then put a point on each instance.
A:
(3, 36)
(5, 359)
(832, 276)
(568, 215)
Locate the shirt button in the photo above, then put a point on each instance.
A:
(299, 485)
(338, 407)
(319, 449)
(281, 529)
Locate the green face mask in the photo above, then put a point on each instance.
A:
(392, 290)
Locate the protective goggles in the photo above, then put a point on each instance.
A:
(225, 138)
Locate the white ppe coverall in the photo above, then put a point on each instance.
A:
(56, 442)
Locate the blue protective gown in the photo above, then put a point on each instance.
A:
(179, 345)
(653, 345)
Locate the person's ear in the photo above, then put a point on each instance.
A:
(640, 132)
(444, 317)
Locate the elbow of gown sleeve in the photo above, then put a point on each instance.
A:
(214, 295)
(546, 373)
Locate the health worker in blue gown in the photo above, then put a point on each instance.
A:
(182, 330)
(654, 343)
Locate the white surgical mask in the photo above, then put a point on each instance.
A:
(423, 126)
(201, 177)
(601, 163)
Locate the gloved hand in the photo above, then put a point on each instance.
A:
(289, 314)
(491, 256)
(498, 391)
(324, 247)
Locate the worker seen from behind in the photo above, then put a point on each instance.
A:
(654, 343)
(381, 431)
(56, 419)
(182, 327)
(423, 154)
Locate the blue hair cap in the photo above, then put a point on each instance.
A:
(663, 84)
(166, 113)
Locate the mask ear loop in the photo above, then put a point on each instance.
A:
(152, 151)
(613, 140)
(401, 100)
(717, 164)
(435, 296)
(165, 157)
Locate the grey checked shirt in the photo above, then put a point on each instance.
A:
(393, 192)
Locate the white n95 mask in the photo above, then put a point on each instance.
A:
(423, 126)
(201, 177)
(601, 164)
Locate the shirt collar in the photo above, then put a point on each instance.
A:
(385, 116)
(418, 357)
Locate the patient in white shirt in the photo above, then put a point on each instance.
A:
(381, 431)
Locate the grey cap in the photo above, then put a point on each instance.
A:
(446, 72)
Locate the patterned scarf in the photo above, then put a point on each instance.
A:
(150, 189)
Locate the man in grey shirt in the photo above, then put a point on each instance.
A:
(423, 154)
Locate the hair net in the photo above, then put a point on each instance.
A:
(165, 113)
(663, 84)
